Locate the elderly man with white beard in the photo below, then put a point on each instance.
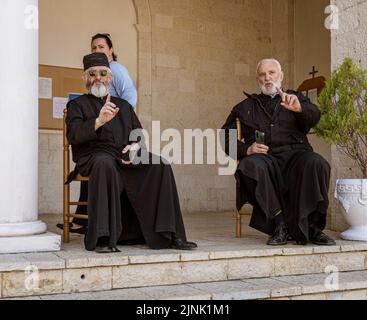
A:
(278, 172)
(128, 202)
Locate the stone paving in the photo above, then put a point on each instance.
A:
(223, 267)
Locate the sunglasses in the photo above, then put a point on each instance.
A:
(102, 73)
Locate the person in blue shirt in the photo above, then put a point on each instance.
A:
(123, 87)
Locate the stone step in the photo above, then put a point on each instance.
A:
(346, 285)
(64, 272)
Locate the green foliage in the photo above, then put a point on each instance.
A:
(343, 105)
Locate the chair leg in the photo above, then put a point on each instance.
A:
(66, 233)
(66, 211)
(238, 225)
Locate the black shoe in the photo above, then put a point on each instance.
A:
(106, 249)
(80, 230)
(320, 238)
(180, 244)
(280, 236)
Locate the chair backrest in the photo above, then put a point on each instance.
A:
(308, 85)
(239, 129)
(66, 161)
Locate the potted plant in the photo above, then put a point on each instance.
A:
(343, 105)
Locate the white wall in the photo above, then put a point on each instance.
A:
(312, 48)
(66, 28)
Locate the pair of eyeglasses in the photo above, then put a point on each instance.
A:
(94, 73)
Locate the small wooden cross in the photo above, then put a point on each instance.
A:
(314, 71)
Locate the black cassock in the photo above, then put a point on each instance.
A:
(128, 203)
(291, 177)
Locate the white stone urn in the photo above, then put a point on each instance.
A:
(352, 193)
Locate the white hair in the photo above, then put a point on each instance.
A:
(269, 60)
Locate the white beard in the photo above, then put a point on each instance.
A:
(99, 90)
(271, 91)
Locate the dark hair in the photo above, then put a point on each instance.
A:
(107, 37)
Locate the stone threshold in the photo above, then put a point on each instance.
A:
(82, 271)
(349, 285)
(132, 255)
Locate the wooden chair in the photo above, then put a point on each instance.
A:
(240, 213)
(67, 203)
(308, 85)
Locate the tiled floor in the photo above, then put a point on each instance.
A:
(212, 232)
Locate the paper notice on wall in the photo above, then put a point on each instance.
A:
(59, 104)
(45, 88)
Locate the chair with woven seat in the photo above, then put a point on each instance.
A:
(67, 203)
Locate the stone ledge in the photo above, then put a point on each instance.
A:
(82, 271)
(352, 286)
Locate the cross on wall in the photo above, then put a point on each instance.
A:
(314, 71)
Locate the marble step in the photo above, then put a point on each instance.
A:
(343, 286)
(66, 272)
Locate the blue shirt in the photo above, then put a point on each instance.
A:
(122, 85)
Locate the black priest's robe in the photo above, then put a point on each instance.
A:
(291, 177)
(127, 203)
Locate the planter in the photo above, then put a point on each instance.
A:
(352, 193)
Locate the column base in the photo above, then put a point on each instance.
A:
(21, 229)
(35, 243)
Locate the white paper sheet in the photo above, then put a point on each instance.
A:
(45, 88)
(59, 104)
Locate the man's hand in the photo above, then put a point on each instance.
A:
(131, 147)
(257, 148)
(290, 101)
(107, 113)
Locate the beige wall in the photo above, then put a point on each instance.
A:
(312, 48)
(312, 39)
(194, 60)
(203, 55)
(67, 26)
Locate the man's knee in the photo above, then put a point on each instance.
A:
(314, 160)
(104, 163)
(254, 163)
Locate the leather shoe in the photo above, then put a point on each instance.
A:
(80, 230)
(280, 236)
(320, 238)
(180, 244)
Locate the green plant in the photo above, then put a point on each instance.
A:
(343, 105)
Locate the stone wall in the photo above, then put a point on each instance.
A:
(195, 57)
(348, 40)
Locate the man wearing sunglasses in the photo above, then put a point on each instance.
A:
(121, 86)
(127, 203)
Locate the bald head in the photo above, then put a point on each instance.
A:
(269, 76)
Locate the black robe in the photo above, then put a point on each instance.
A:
(291, 178)
(128, 203)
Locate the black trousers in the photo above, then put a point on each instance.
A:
(295, 182)
(82, 209)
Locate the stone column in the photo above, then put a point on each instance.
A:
(20, 229)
